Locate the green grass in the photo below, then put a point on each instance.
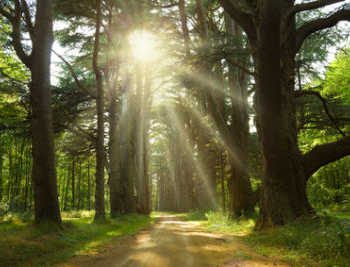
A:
(24, 244)
(319, 241)
(217, 221)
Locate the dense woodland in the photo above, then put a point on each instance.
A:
(132, 106)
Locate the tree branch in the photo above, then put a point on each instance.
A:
(242, 15)
(321, 155)
(14, 17)
(319, 24)
(312, 5)
(75, 76)
(325, 106)
(27, 18)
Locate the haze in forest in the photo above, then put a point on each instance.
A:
(228, 116)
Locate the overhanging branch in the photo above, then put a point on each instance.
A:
(322, 155)
(312, 5)
(319, 24)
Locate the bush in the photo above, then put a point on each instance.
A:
(331, 240)
(196, 215)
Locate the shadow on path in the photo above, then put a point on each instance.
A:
(173, 242)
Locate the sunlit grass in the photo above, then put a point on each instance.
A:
(22, 242)
(319, 241)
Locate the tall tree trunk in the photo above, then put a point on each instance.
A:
(284, 184)
(240, 192)
(100, 181)
(79, 189)
(222, 177)
(207, 198)
(89, 185)
(65, 199)
(114, 157)
(73, 183)
(44, 168)
(27, 180)
(10, 178)
(143, 96)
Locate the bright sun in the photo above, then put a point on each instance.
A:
(143, 46)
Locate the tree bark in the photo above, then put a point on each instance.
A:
(274, 39)
(284, 188)
(99, 176)
(44, 168)
(237, 134)
(321, 155)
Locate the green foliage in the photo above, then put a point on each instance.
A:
(338, 76)
(43, 245)
(196, 215)
(221, 222)
(319, 241)
(323, 241)
(330, 186)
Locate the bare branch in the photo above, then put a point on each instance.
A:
(75, 76)
(325, 106)
(319, 24)
(312, 5)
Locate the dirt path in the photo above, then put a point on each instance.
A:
(172, 242)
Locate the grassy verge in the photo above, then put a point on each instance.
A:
(23, 244)
(321, 241)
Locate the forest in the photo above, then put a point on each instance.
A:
(174, 132)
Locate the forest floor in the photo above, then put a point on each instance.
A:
(173, 241)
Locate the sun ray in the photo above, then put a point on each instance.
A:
(143, 46)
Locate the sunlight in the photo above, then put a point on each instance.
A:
(143, 46)
(197, 164)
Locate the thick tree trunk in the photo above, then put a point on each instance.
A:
(274, 39)
(284, 188)
(44, 168)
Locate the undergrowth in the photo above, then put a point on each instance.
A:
(320, 241)
(25, 244)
